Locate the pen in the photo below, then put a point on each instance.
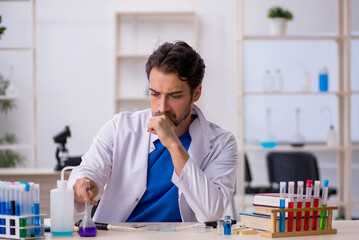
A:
(315, 204)
(308, 194)
(290, 205)
(299, 205)
(282, 206)
(325, 200)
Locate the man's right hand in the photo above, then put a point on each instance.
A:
(81, 195)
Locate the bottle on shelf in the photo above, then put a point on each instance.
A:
(277, 82)
(305, 81)
(268, 141)
(11, 90)
(323, 79)
(297, 139)
(331, 137)
(267, 81)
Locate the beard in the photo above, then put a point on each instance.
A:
(173, 117)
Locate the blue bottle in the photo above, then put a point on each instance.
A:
(227, 225)
(323, 80)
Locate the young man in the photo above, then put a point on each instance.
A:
(163, 164)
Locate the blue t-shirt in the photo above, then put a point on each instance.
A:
(159, 203)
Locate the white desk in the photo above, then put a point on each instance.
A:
(347, 230)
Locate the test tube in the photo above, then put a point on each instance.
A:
(299, 205)
(36, 198)
(325, 200)
(290, 205)
(315, 204)
(2, 208)
(282, 206)
(308, 195)
(12, 196)
(22, 202)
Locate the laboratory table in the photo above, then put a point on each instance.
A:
(346, 230)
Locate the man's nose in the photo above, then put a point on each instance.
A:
(164, 106)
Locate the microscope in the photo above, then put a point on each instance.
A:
(63, 160)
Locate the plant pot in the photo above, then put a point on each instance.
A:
(277, 26)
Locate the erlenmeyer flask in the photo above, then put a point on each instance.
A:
(297, 139)
(11, 90)
(268, 141)
(87, 227)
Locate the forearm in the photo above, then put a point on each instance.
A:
(179, 156)
(207, 199)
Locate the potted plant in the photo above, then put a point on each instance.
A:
(278, 19)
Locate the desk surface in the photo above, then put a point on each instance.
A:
(346, 230)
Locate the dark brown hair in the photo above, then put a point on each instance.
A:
(178, 58)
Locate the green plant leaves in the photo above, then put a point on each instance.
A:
(279, 12)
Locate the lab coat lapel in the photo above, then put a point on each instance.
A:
(201, 135)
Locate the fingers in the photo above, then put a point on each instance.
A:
(80, 193)
(158, 122)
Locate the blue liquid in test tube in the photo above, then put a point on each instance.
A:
(282, 206)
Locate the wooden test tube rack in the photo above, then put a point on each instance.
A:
(273, 233)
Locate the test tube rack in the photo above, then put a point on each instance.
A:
(22, 227)
(273, 233)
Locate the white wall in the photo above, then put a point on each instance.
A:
(76, 65)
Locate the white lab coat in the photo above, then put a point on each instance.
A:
(117, 161)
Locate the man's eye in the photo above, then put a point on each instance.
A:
(176, 96)
(155, 94)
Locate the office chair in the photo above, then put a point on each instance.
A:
(293, 166)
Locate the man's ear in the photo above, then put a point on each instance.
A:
(197, 93)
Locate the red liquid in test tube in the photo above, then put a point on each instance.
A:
(290, 205)
(315, 204)
(300, 186)
(308, 194)
(299, 217)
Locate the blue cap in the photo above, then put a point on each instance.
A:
(326, 182)
(27, 187)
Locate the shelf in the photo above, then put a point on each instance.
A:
(16, 147)
(134, 99)
(289, 148)
(16, 48)
(294, 93)
(289, 37)
(133, 56)
(15, 97)
(156, 14)
(355, 146)
(354, 37)
(354, 92)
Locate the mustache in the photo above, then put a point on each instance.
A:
(169, 114)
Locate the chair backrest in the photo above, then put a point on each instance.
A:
(248, 175)
(291, 166)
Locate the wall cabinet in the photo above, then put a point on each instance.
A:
(137, 35)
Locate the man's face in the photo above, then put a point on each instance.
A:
(171, 96)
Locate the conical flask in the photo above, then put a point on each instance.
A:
(297, 139)
(268, 141)
(87, 227)
(11, 90)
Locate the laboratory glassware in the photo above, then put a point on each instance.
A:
(87, 227)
